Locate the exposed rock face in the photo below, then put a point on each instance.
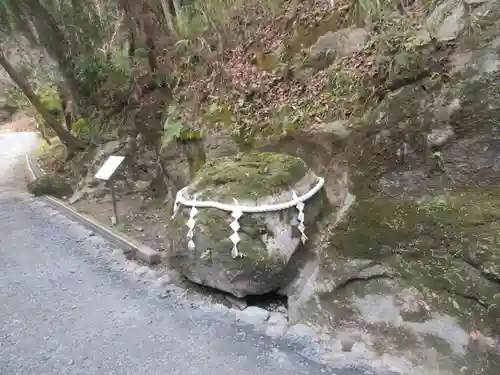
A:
(136, 174)
(414, 261)
(268, 240)
(448, 20)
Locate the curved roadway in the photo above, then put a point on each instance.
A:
(65, 310)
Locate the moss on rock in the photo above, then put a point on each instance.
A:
(256, 272)
(448, 243)
(268, 240)
(251, 175)
(50, 184)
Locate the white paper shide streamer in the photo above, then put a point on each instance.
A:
(190, 224)
(235, 226)
(237, 212)
(300, 217)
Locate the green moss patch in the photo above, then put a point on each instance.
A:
(50, 184)
(52, 156)
(447, 243)
(251, 175)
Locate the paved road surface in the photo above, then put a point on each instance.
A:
(65, 310)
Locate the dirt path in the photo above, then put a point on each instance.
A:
(21, 124)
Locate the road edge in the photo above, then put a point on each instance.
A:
(132, 248)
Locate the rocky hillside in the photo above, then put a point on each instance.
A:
(397, 106)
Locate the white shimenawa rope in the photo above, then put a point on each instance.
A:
(237, 211)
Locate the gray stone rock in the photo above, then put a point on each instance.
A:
(218, 145)
(340, 43)
(141, 271)
(275, 331)
(341, 129)
(422, 37)
(50, 184)
(268, 240)
(438, 137)
(89, 186)
(118, 255)
(276, 318)
(162, 281)
(238, 303)
(447, 21)
(301, 331)
(347, 344)
(253, 315)
(179, 162)
(141, 185)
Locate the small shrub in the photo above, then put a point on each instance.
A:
(15, 99)
(86, 130)
(49, 96)
(51, 157)
(95, 73)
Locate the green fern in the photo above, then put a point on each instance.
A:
(175, 129)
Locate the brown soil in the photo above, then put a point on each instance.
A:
(23, 124)
(141, 218)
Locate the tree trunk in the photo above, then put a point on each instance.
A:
(53, 39)
(131, 47)
(72, 144)
(67, 108)
(148, 28)
(130, 20)
(169, 14)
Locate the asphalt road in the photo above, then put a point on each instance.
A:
(65, 310)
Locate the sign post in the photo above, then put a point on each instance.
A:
(106, 173)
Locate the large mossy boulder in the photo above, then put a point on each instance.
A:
(50, 184)
(268, 239)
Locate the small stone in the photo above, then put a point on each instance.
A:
(117, 254)
(347, 344)
(139, 229)
(438, 137)
(301, 330)
(340, 128)
(275, 331)
(165, 294)
(276, 318)
(447, 20)
(162, 281)
(141, 271)
(254, 315)
(238, 303)
(71, 362)
(281, 309)
(422, 37)
(340, 43)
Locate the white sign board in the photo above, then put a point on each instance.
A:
(109, 167)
